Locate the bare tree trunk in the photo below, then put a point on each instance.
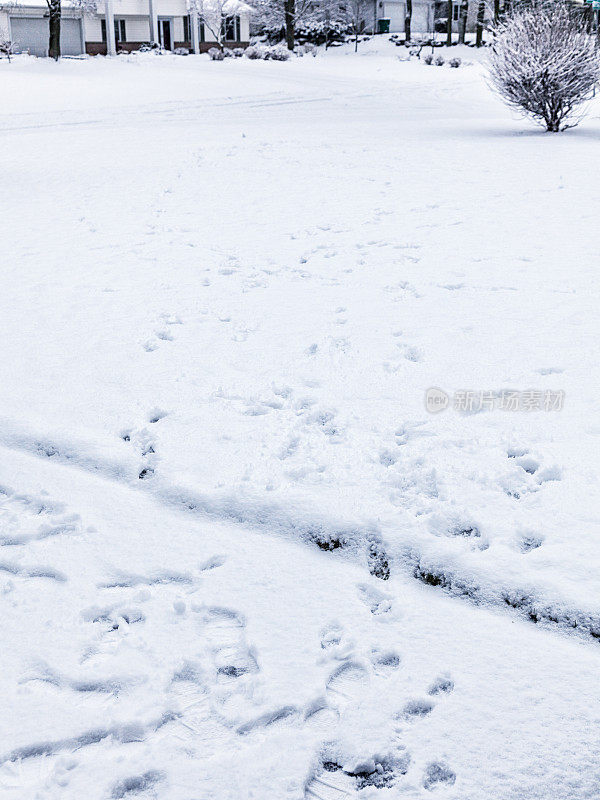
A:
(407, 20)
(590, 18)
(449, 5)
(462, 23)
(289, 7)
(496, 11)
(480, 21)
(54, 29)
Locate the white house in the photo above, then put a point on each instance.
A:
(425, 13)
(118, 25)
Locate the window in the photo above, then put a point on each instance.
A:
(186, 29)
(231, 29)
(456, 12)
(202, 35)
(120, 32)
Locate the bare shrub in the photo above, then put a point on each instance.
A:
(7, 47)
(544, 62)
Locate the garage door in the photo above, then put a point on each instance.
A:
(30, 34)
(421, 20)
(395, 12)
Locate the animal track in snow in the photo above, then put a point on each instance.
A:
(441, 685)
(417, 708)
(144, 443)
(163, 333)
(385, 661)
(528, 542)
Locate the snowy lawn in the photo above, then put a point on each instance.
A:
(226, 288)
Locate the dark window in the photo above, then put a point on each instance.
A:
(186, 29)
(120, 32)
(455, 12)
(202, 34)
(231, 29)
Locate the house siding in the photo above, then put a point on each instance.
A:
(137, 21)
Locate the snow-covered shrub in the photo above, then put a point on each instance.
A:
(307, 49)
(428, 59)
(254, 52)
(215, 54)
(278, 53)
(181, 51)
(147, 47)
(439, 61)
(455, 62)
(237, 52)
(544, 62)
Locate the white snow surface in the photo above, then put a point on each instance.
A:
(226, 288)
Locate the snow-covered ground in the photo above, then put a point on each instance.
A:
(231, 534)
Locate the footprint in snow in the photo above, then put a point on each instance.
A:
(346, 684)
(378, 602)
(223, 631)
(533, 466)
(30, 518)
(333, 780)
(196, 724)
(437, 773)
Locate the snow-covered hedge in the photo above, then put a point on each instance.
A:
(264, 52)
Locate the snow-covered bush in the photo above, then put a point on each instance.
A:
(237, 52)
(254, 52)
(544, 62)
(439, 61)
(307, 49)
(278, 53)
(428, 58)
(455, 62)
(215, 54)
(181, 51)
(261, 51)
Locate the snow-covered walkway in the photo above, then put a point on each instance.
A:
(238, 557)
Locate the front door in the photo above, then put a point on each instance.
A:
(164, 33)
